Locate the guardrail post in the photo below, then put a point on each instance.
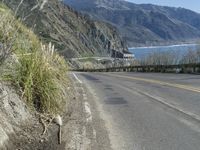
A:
(131, 69)
(194, 69)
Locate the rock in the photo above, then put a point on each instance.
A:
(13, 112)
(42, 140)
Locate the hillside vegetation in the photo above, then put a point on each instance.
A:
(37, 71)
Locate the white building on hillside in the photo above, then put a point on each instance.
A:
(128, 55)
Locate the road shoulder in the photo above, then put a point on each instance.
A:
(88, 130)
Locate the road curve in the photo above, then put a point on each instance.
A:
(148, 111)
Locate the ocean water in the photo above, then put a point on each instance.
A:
(141, 52)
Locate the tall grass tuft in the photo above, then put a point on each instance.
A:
(41, 76)
(38, 71)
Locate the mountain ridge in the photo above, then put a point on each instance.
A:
(73, 34)
(143, 24)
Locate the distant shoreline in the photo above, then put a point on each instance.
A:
(177, 45)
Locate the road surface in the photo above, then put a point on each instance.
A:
(148, 111)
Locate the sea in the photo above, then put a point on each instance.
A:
(141, 52)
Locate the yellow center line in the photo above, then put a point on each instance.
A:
(180, 86)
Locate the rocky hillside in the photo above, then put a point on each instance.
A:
(73, 34)
(144, 24)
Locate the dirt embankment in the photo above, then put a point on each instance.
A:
(21, 129)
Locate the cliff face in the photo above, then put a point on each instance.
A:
(144, 24)
(73, 34)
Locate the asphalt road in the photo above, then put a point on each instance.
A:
(148, 111)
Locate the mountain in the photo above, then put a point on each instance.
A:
(73, 34)
(143, 24)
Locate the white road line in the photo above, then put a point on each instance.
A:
(164, 102)
(94, 134)
(77, 78)
(88, 112)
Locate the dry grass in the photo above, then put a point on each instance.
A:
(40, 72)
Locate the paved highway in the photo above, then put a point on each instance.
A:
(148, 111)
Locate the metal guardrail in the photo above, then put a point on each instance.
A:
(181, 68)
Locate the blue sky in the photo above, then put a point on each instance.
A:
(190, 4)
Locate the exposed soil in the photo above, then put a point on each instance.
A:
(77, 132)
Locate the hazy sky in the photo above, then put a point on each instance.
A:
(190, 4)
